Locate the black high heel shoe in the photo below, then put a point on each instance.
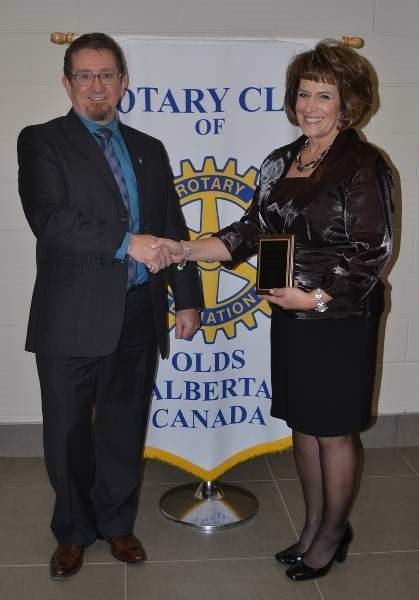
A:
(301, 572)
(289, 556)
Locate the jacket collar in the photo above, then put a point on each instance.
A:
(136, 152)
(79, 136)
(341, 158)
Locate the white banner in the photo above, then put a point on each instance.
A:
(218, 108)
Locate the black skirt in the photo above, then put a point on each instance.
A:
(323, 372)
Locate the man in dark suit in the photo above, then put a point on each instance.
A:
(96, 194)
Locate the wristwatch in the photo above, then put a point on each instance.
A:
(321, 305)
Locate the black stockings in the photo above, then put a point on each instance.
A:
(328, 469)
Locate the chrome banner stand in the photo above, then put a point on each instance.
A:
(210, 507)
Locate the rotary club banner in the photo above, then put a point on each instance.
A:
(218, 108)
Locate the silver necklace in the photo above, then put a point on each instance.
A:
(313, 163)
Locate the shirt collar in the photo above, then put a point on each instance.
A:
(93, 127)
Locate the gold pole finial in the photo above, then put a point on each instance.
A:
(57, 37)
(352, 42)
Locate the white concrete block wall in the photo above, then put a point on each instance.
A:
(30, 92)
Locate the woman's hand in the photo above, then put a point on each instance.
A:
(144, 248)
(208, 249)
(291, 298)
(172, 247)
(294, 298)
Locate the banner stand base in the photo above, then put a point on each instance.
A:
(210, 507)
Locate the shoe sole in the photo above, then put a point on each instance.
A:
(57, 577)
(130, 562)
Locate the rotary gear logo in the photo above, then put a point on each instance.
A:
(211, 198)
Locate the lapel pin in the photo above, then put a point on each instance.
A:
(140, 160)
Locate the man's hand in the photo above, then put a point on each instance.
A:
(187, 322)
(173, 247)
(143, 248)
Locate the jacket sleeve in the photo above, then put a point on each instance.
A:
(242, 238)
(54, 222)
(185, 284)
(368, 218)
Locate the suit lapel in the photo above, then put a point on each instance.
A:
(137, 154)
(79, 137)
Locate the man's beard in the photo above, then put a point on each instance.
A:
(99, 111)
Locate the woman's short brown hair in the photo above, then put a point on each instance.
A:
(332, 62)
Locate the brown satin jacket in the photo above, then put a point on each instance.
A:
(342, 219)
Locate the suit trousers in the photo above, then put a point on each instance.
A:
(95, 413)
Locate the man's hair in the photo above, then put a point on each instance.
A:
(332, 62)
(94, 41)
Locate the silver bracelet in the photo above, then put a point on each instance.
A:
(321, 305)
(187, 251)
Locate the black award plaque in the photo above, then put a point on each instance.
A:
(275, 262)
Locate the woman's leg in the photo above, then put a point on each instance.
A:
(339, 460)
(307, 459)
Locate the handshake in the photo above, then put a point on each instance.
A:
(158, 253)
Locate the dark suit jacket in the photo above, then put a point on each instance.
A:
(74, 208)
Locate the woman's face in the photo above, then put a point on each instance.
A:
(318, 110)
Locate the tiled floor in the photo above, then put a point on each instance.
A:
(185, 564)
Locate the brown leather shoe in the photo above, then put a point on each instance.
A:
(127, 548)
(66, 560)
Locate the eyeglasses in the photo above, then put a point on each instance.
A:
(87, 77)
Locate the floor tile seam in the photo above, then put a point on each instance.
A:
(42, 564)
(400, 475)
(395, 475)
(230, 481)
(407, 461)
(208, 559)
(246, 481)
(179, 560)
(212, 559)
(24, 486)
(316, 584)
(410, 550)
(174, 483)
(383, 552)
(284, 503)
(13, 565)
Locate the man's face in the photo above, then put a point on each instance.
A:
(94, 100)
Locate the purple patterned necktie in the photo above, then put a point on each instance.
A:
(104, 134)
